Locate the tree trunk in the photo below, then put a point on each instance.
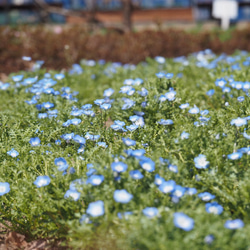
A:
(127, 15)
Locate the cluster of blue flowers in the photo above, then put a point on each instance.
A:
(130, 152)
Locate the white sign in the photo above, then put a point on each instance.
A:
(225, 10)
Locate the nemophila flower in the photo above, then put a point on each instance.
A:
(129, 90)
(143, 92)
(170, 95)
(76, 184)
(95, 180)
(226, 90)
(204, 112)
(166, 122)
(68, 137)
(184, 106)
(90, 113)
(17, 78)
(59, 76)
(79, 139)
(122, 196)
(147, 165)
(191, 191)
(47, 105)
(96, 209)
(85, 219)
(73, 194)
(138, 81)
(234, 224)
(26, 58)
(158, 180)
(160, 59)
(201, 162)
(75, 121)
(184, 222)
(214, 208)
(206, 196)
(160, 75)
(194, 110)
(220, 82)
(105, 106)
(61, 163)
(128, 142)
(128, 82)
(235, 156)
(184, 135)
(86, 106)
(99, 101)
(138, 153)
(150, 212)
(240, 98)
(102, 144)
(13, 153)
(91, 137)
(42, 115)
(108, 92)
(179, 191)
(4, 188)
(124, 215)
(128, 103)
(42, 181)
(169, 75)
(35, 141)
(209, 239)
(210, 92)
(132, 127)
(246, 135)
(167, 186)
(136, 174)
(76, 112)
(239, 122)
(119, 166)
(173, 168)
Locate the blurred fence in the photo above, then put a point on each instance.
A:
(23, 11)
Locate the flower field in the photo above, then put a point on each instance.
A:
(121, 156)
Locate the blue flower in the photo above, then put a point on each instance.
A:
(158, 180)
(13, 153)
(75, 184)
(194, 110)
(122, 196)
(128, 142)
(76, 121)
(191, 191)
(166, 122)
(214, 208)
(148, 165)
(79, 139)
(201, 161)
(184, 222)
(239, 122)
(167, 186)
(235, 156)
(138, 153)
(124, 214)
(150, 212)
(87, 106)
(169, 75)
(42, 181)
(75, 195)
(184, 106)
(119, 166)
(105, 106)
(179, 191)
(42, 115)
(160, 75)
(132, 128)
(59, 76)
(160, 59)
(210, 92)
(206, 196)
(234, 224)
(108, 92)
(17, 78)
(96, 209)
(4, 188)
(47, 105)
(61, 163)
(173, 168)
(35, 141)
(102, 144)
(136, 174)
(184, 135)
(99, 101)
(209, 239)
(95, 180)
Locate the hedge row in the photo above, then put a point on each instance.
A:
(61, 47)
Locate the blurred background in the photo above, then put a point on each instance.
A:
(60, 33)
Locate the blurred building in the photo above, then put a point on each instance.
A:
(25, 11)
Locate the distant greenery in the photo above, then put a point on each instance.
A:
(160, 160)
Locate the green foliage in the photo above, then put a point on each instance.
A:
(45, 212)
